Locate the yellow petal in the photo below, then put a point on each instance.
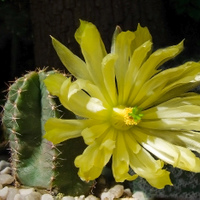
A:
(90, 88)
(120, 159)
(141, 36)
(92, 48)
(63, 95)
(168, 84)
(76, 100)
(175, 155)
(156, 59)
(137, 59)
(189, 161)
(54, 82)
(159, 180)
(190, 139)
(187, 139)
(72, 62)
(132, 143)
(175, 108)
(115, 34)
(149, 68)
(88, 168)
(59, 130)
(123, 52)
(172, 124)
(186, 99)
(91, 133)
(108, 70)
(147, 167)
(96, 156)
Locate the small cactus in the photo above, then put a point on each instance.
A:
(35, 161)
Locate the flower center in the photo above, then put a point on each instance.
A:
(124, 118)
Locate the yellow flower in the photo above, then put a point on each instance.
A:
(129, 108)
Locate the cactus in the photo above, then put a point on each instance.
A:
(35, 161)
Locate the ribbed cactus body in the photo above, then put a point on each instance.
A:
(36, 161)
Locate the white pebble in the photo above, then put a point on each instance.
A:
(4, 164)
(46, 197)
(68, 198)
(118, 190)
(4, 192)
(11, 193)
(127, 192)
(115, 192)
(33, 196)
(19, 197)
(6, 170)
(139, 196)
(26, 191)
(91, 197)
(6, 179)
(107, 196)
(82, 197)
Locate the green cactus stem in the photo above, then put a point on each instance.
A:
(35, 161)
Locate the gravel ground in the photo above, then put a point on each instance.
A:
(9, 192)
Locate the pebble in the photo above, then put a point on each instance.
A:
(6, 179)
(33, 196)
(127, 192)
(115, 192)
(82, 197)
(139, 196)
(91, 197)
(19, 197)
(6, 170)
(4, 192)
(46, 197)
(27, 191)
(68, 198)
(11, 193)
(128, 198)
(4, 164)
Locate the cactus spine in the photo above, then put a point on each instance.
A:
(35, 161)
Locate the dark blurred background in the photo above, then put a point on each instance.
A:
(25, 27)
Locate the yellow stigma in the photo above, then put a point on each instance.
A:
(123, 118)
(128, 119)
(132, 115)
